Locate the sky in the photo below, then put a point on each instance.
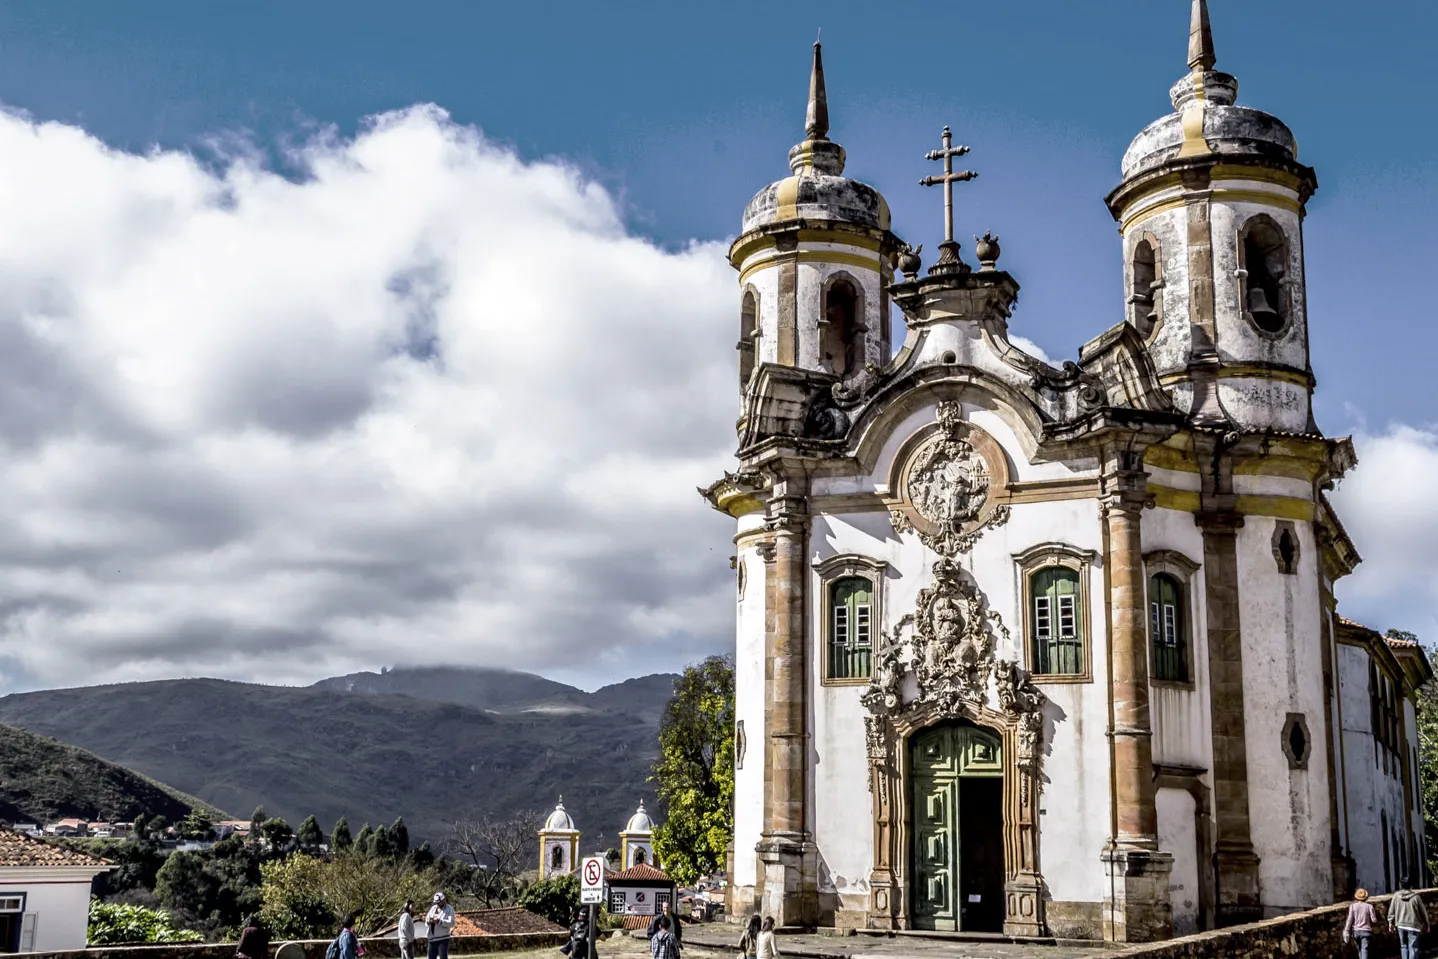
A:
(340, 335)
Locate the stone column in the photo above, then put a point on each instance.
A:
(1137, 906)
(784, 843)
(1235, 864)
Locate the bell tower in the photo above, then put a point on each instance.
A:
(1211, 212)
(815, 261)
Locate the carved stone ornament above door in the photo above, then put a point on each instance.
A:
(946, 480)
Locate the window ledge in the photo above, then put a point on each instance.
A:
(859, 681)
(1060, 679)
(1184, 685)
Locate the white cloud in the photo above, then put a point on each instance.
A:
(433, 403)
(1389, 507)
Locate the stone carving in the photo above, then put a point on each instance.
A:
(947, 486)
(949, 481)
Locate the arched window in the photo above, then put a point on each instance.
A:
(840, 346)
(1144, 296)
(1055, 621)
(1265, 258)
(748, 328)
(639, 856)
(1168, 627)
(851, 604)
(556, 858)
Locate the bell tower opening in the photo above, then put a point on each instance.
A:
(748, 330)
(1265, 258)
(1143, 296)
(841, 348)
(956, 791)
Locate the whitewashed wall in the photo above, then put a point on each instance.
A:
(58, 901)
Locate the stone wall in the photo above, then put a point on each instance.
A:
(1317, 934)
(375, 948)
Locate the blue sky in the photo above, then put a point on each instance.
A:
(264, 337)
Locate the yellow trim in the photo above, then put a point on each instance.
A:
(1194, 144)
(1281, 507)
(769, 241)
(1218, 193)
(1168, 458)
(1243, 371)
(787, 197)
(814, 256)
(1289, 467)
(1152, 210)
(1181, 500)
(1258, 174)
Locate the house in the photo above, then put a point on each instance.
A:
(28, 828)
(44, 894)
(101, 830)
(232, 827)
(67, 827)
(638, 893)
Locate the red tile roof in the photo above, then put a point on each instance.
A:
(17, 849)
(643, 871)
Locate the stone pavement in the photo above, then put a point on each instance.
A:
(719, 940)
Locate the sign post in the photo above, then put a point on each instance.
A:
(591, 894)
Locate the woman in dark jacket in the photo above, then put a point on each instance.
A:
(254, 941)
(579, 936)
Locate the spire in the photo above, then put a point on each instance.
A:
(816, 121)
(1201, 55)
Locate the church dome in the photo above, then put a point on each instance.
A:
(1206, 117)
(559, 820)
(817, 189)
(640, 821)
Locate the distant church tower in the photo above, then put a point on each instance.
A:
(1211, 210)
(636, 840)
(558, 844)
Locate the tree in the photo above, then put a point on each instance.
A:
(277, 833)
(212, 889)
(423, 857)
(555, 898)
(364, 841)
(382, 845)
(611, 855)
(257, 821)
(112, 924)
(309, 836)
(196, 825)
(695, 771)
(499, 850)
(399, 834)
(142, 827)
(305, 896)
(340, 838)
(1426, 710)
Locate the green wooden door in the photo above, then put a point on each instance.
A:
(939, 759)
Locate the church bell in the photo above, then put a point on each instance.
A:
(1263, 314)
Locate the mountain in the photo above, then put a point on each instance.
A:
(42, 780)
(432, 745)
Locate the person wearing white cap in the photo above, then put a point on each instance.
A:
(439, 920)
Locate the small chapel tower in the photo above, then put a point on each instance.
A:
(814, 261)
(558, 844)
(636, 840)
(1211, 210)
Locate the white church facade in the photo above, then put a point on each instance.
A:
(1052, 651)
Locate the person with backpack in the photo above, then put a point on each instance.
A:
(578, 945)
(749, 942)
(346, 944)
(439, 922)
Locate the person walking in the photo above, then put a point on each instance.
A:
(663, 945)
(439, 922)
(767, 947)
(749, 942)
(1362, 918)
(254, 941)
(578, 945)
(676, 928)
(406, 930)
(1407, 914)
(346, 944)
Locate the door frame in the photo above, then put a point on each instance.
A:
(890, 882)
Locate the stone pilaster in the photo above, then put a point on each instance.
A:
(787, 857)
(1137, 906)
(1235, 865)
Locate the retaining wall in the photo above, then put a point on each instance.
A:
(375, 948)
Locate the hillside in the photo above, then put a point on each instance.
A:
(42, 780)
(352, 746)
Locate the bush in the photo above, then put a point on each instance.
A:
(555, 898)
(116, 925)
(305, 897)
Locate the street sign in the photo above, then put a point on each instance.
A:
(591, 881)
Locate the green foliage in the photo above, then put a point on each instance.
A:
(399, 835)
(137, 864)
(611, 855)
(305, 896)
(340, 838)
(276, 832)
(423, 857)
(196, 825)
(555, 898)
(695, 771)
(211, 889)
(364, 841)
(382, 845)
(1427, 716)
(114, 925)
(309, 836)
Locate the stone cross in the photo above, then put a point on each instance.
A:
(949, 178)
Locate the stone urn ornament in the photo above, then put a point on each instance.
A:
(987, 250)
(909, 261)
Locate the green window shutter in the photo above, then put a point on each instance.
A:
(851, 628)
(1057, 621)
(1167, 628)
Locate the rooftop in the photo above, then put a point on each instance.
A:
(642, 872)
(17, 849)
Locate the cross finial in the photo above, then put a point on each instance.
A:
(949, 251)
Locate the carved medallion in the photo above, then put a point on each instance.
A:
(946, 483)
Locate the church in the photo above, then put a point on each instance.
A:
(1052, 651)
